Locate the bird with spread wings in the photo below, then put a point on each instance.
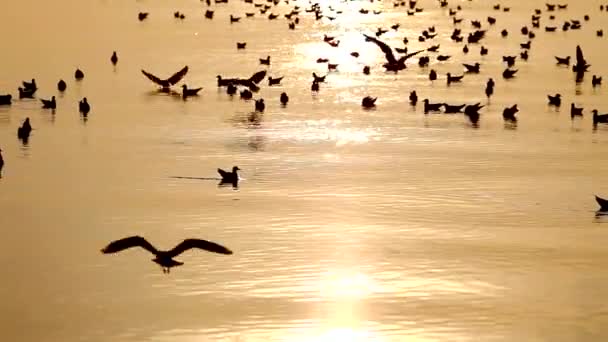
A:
(165, 258)
(165, 84)
(392, 63)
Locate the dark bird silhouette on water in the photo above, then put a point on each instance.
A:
(596, 81)
(392, 63)
(231, 89)
(142, 16)
(431, 107)
(555, 100)
(260, 106)
(114, 58)
(164, 258)
(581, 65)
(603, 203)
(284, 99)
(186, 92)
(472, 68)
(61, 86)
(432, 75)
(229, 177)
(274, 81)
(78, 74)
(563, 60)
(6, 99)
(83, 107)
(508, 114)
(413, 98)
(251, 82)
(265, 61)
(599, 118)
(25, 94)
(49, 104)
(246, 94)
(315, 86)
(165, 84)
(453, 79)
(369, 102)
(30, 86)
(575, 111)
(23, 132)
(508, 73)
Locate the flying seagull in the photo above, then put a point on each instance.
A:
(164, 258)
(167, 83)
(392, 64)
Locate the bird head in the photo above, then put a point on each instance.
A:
(235, 169)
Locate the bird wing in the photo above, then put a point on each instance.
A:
(133, 241)
(152, 77)
(388, 52)
(409, 55)
(580, 59)
(198, 243)
(223, 173)
(178, 75)
(258, 77)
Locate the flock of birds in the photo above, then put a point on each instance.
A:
(397, 59)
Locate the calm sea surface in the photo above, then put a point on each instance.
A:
(348, 225)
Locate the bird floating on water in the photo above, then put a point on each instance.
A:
(165, 258)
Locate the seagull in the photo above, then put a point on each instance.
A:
(6, 99)
(78, 74)
(260, 106)
(274, 81)
(581, 64)
(164, 258)
(563, 60)
(453, 79)
(431, 107)
(508, 73)
(84, 107)
(23, 132)
(167, 83)
(31, 86)
(61, 86)
(189, 92)
(472, 68)
(229, 177)
(114, 58)
(575, 111)
(555, 100)
(508, 113)
(25, 94)
(284, 99)
(413, 98)
(51, 104)
(369, 102)
(392, 64)
(599, 118)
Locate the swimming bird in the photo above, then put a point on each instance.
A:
(114, 58)
(142, 16)
(49, 104)
(6, 99)
(599, 118)
(315, 86)
(260, 105)
(164, 258)
(265, 61)
(78, 74)
(318, 79)
(443, 58)
(366, 70)
(84, 107)
(563, 60)
(167, 83)
(452, 79)
(246, 94)
(274, 81)
(472, 68)
(251, 82)
(431, 107)
(30, 86)
(284, 99)
(413, 98)
(508, 114)
(240, 46)
(369, 102)
(490, 88)
(510, 60)
(508, 73)
(61, 85)
(451, 109)
(555, 100)
(23, 94)
(229, 177)
(596, 81)
(187, 92)
(209, 14)
(23, 132)
(432, 75)
(575, 111)
(603, 203)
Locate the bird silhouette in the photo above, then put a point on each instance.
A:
(229, 177)
(84, 107)
(167, 83)
(164, 258)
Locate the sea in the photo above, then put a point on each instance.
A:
(348, 224)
